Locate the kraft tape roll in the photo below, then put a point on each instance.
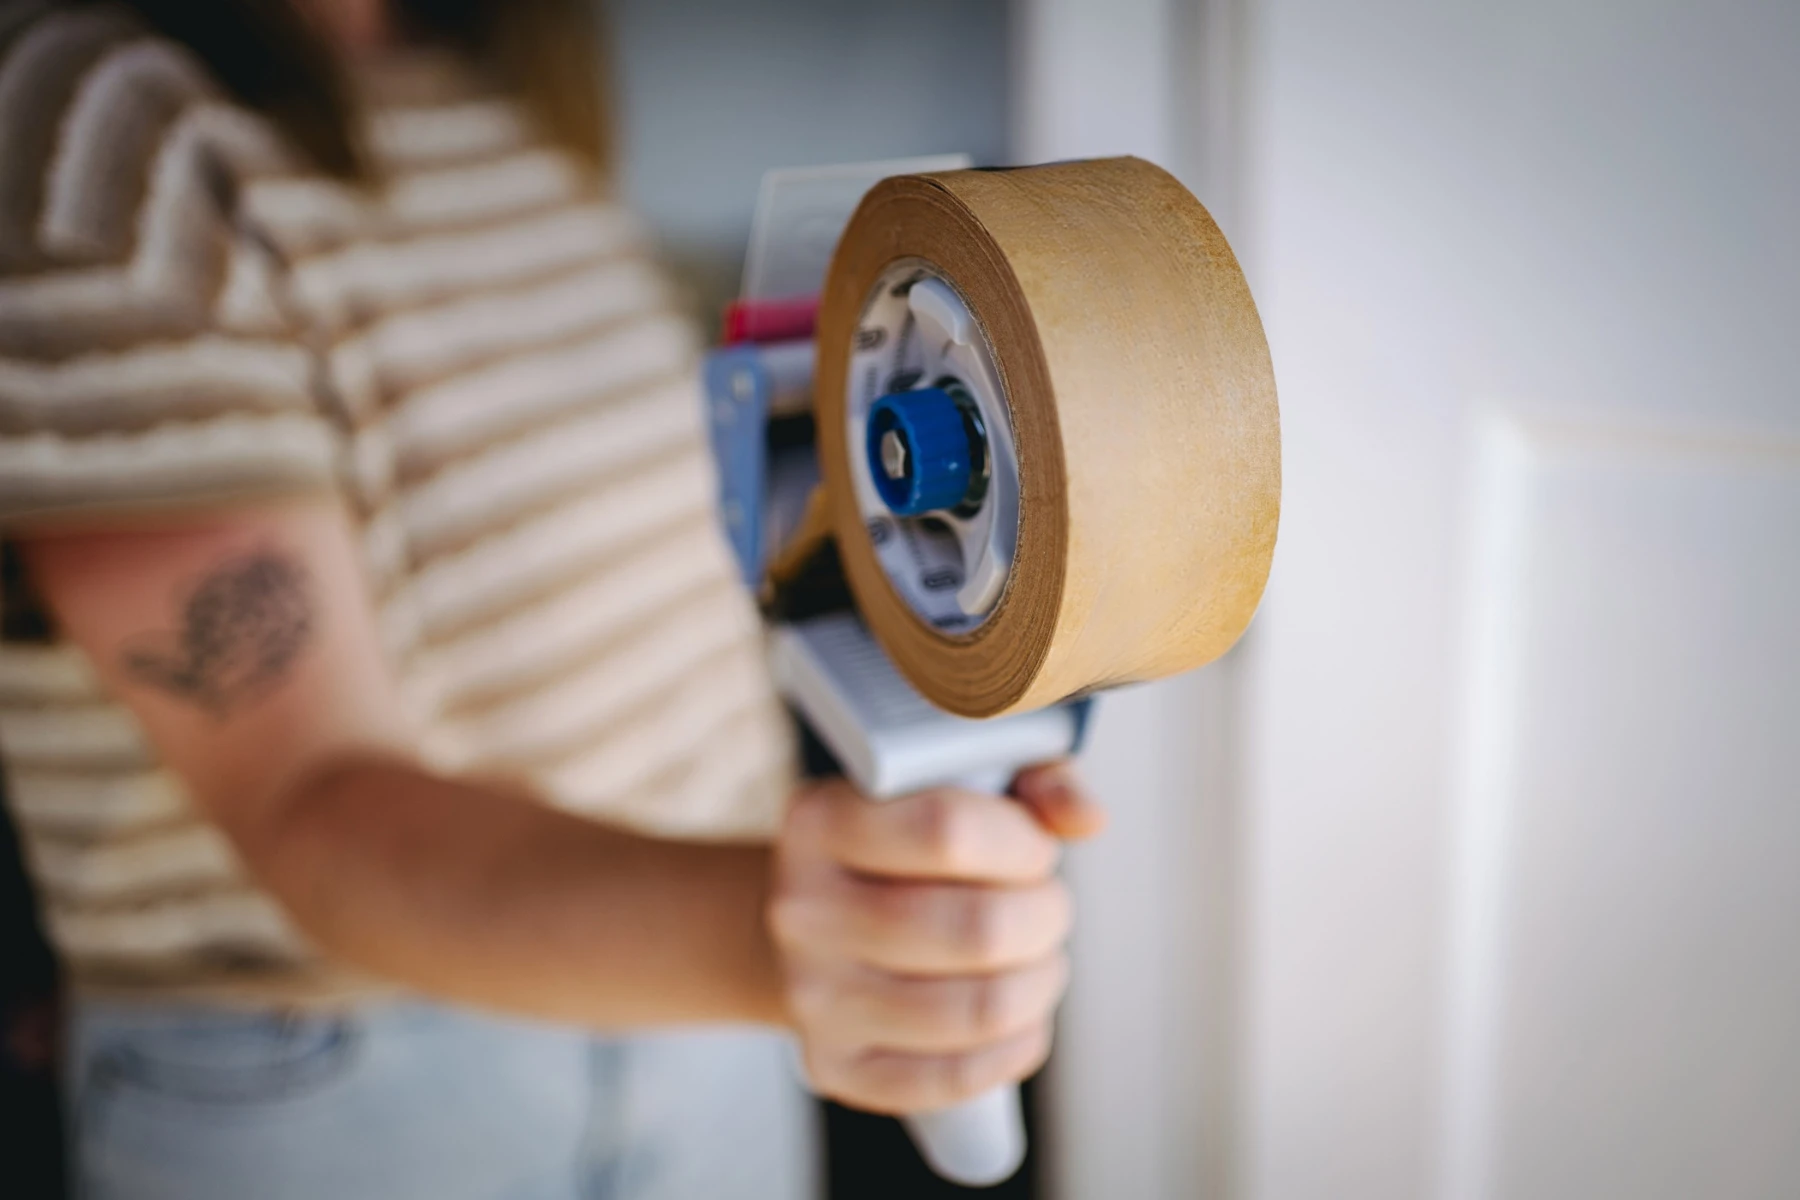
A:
(1143, 413)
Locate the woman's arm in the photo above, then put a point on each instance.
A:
(247, 645)
(920, 940)
(470, 893)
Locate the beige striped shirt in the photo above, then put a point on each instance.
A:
(478, 353)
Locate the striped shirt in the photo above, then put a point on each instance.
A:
(477, 352)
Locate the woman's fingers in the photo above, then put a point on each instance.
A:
(891, 1081)
(922, 937)
(920, 928)
(860, 1006)
(944, 833)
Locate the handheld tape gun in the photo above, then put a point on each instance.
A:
(989, 442)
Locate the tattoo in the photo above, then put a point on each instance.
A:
(241, 630)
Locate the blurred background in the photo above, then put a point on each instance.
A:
(1474, 872)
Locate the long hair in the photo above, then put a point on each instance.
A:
(546, 52)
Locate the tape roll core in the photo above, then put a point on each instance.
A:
(1143, 410)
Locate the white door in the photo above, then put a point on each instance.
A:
(1521, 782)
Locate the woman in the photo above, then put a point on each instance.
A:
(373, 629)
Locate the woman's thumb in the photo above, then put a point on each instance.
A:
(1060, 801)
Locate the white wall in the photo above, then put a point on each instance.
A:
(1580, 209)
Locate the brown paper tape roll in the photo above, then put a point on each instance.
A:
(1144, 416)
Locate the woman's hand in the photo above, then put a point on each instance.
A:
(922, 937)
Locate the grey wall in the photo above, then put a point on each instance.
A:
(711, 93)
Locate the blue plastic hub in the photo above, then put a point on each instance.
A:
(922, 452)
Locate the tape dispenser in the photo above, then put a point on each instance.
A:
(988, 442)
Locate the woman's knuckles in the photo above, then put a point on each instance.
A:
(958, 1014)
(948, 927)
(922, 927)
(947, 834)
(969, 835)
(874, 1008)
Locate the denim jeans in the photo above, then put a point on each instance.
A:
(403, 1100)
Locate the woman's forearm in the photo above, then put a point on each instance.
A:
(464, 891)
